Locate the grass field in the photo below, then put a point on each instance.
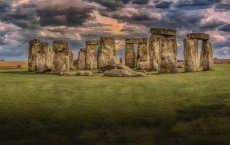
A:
(161, 109)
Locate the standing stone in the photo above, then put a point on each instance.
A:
(191, 55)
(44, 58)
(107, 52)
(163, 50)
(168, 56)
(142, 57)
(61, 56)
(207, 56)
(91, 54)
(32, 55)
(130, 55)
(71, 60)
(81, 58)
(154, 52)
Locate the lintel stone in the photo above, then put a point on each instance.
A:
(163, 31)
(93, 42)
(199, 36)
(136, 40)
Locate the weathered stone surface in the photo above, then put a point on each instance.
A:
(71, 60)
(168, 56)
(78, 73)
(93, 42)
(44, 58)
(40, 56)
(116, 66)
(142, 57)
(130, 57)
(33, 53)
(120, 70)
(123, 73)
(206, 56)
(81, 58)
(191, 55)
(107, 52)
(154, 52)
(163, 31)
(61, 56)
(200, 36)
(60, 46)
(136, 40)
(91, 55)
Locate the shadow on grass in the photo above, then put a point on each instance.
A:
(22, 72)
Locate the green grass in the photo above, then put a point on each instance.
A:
(161, 109)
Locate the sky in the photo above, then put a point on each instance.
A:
(79, 20)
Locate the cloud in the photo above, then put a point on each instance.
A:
(164, 4)
(196, 4)
(72, 16)
(225, 28)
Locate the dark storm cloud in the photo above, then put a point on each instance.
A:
(140, 2)
(225, 28)
(111, 5)
(212, 25)
(56, 16)
(223, 6)
(198, 4)
(23, 16)
(164, 4)
(4, 7)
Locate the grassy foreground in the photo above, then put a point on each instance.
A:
(161, 109)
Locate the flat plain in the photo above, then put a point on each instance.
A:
(161, 109)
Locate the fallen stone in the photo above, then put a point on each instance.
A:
(199, 36)
(116, 66)
(123, 73)
(79, 73)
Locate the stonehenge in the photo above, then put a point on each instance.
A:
(158, 53)
(191, 55)
(71, 60)
(32, 55)
(163, 50)
(91, 54)
(81, 59)
(206, 57)
(120, 70)
(139, 60)
(192, 63)
(106, 52)
(61, 56)
(40, 56)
